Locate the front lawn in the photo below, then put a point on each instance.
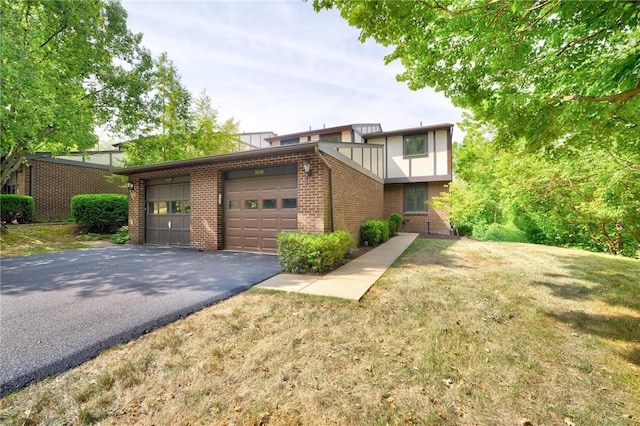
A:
(22, 240)
(455, 333)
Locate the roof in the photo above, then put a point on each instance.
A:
(322, 131)
(220, 158)
(411, 130)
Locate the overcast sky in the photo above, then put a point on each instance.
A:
(280, 66)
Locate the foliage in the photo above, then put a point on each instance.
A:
(67, 67)
(395, 220)
(587, 200)
(122, 236)
(508, 232)
(301, 252)
(177, 128)
(19, 208)
(558, 75)
(100, 212)
(374, 232)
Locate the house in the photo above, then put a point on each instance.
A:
(316, 181)
(53, 181)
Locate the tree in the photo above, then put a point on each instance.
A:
(164, 133)
(556, 74)
(178, 128)
(67, 67)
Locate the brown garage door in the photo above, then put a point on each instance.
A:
(168, 212)
(257, 208)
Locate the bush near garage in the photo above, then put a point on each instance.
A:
(102, 213)
(300, 252)
(395, 220)
(16, 208)
(374, 232)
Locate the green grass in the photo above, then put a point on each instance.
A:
(21, 240)
(456, 332)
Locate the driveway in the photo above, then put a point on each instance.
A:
(58, 310)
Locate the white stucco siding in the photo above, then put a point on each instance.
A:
(422, 166)
(397, 165)
(441, 155)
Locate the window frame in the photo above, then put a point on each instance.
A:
(405, 196)
(405, 140)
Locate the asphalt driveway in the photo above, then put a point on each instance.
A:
(58, 310)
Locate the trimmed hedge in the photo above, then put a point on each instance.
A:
(19, 208)
(102, 213)
(301, 252)
(374, 232)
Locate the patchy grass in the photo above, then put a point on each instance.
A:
(23, 240)
(456, 332)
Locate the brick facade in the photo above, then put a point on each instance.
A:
(433, 221)
(357, 197)
(52, 184)
(206, 182)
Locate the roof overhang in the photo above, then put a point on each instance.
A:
(409, 131)
(221, 158)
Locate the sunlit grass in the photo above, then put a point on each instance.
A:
(22, 240)
(456, 332)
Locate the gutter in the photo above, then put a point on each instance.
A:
(330, 184)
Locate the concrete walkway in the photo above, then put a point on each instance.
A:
(350, 281)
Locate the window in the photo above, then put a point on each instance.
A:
(415, 145)
(289, 203)
(268, 204)
(415, 196)
(234, 205)
(289, 141)
(331, 137)
(157, 207)
(251, 204)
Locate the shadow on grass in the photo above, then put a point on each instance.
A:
(610, 280)
(430, 251)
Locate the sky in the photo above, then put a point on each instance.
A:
(280, 66)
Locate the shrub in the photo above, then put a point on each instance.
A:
(395, 217)
(498, 232)
(122, 236)
(19, 208)
(100, 212)
(374, 232)
(301, 252)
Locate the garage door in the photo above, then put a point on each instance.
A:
(257, 208)
(168, 212)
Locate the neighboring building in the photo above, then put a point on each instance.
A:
(53, 181)
(254, 140)
(315, 181)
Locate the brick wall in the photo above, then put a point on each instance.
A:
(54, 184)
(356, 198)
(433, 220)
(207, 224)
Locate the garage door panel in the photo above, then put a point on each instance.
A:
(167, 216)
(258, 213)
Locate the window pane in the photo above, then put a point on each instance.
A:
(163, 207)
(289, 203)
(234, 205)
(269, 204)
(415, 197)
(415, 145)
(333, 137)
(187, 206)
(250, 204)
(289, 141)
(176, 207)
(151, 207)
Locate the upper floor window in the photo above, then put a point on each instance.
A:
(331, 137)
(289, 141)
(415, 145)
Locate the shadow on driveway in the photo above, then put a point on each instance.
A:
(57, 310)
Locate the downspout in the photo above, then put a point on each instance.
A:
(330, 185)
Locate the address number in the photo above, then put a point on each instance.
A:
(258, 172)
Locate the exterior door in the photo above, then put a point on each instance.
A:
(257, 208)
(168, 213)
